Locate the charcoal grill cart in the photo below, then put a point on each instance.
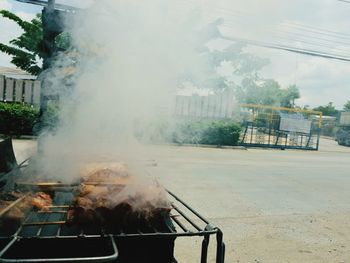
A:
(45, 236)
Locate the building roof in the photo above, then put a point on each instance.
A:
(15, 73)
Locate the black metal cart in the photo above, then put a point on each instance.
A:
(45, 237)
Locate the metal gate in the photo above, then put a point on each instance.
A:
(283, 128)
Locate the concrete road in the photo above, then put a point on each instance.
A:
(272, 205)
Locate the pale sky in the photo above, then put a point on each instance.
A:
(319, 25)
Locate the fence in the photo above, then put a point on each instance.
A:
(19, 90)
(215, 106)
(284, 128)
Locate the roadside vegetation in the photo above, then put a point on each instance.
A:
(190, 131)
(28, 49)
(17, 119)
(210, 132)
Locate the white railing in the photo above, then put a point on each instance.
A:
(220, 105)
(19, 90)
(214, 106)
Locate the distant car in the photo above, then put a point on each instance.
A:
(343, 134)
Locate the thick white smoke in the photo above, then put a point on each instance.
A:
(131, 57)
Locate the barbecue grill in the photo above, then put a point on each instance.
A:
(45, 236)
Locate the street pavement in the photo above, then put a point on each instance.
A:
(272, 205)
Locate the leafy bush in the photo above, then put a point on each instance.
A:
(188, 132)
(17, 119)
(218, 132)
(49, 121)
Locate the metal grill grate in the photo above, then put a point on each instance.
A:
(48, 226)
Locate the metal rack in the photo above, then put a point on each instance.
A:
(280, 128)
(40, 227)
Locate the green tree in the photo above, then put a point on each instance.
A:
(327, 110)
(347, 105)
(245, 79)
(232, 57)
(289, 95)
(27, 49)
(267, 92)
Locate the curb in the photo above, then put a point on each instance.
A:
(208, 146)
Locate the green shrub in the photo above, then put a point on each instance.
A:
(221, 133)
(189, 132)
(49, 120)
(218, 132)
(17, 119)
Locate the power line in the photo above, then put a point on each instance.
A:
(317, 30)
(336, 36)
(299, 26)
(330, 41)
(288, 48)
(282, 46)
(235, 13)
(314, 44)
(304, 39)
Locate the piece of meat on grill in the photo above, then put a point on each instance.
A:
(41, 201)
(110, 197)
(81, 216)
(104, 172)
(86, 189)
(84, 202)
(121, 216)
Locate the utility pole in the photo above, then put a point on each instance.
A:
(48, 46)
(53, 17)
(52, 21)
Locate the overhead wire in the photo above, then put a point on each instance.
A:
(345, 1)
(274, 45)
(336, 52)
(303, 29)
(309, 40)
(308, 28)
(328, 36)
(289, 37)
(288, 48)
(298, 40)
(317, 30)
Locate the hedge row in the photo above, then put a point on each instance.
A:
(21, 119)
(218, 132)
(17, 119)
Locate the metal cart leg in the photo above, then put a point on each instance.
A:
(205, 244)
(220, 249)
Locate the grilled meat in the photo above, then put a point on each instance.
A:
(112, 198)
(104, 172)
(41, 201)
